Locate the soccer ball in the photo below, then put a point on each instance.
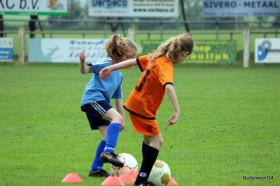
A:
(160, 173)
(130, 165)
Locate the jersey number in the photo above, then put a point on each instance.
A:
(139, 88)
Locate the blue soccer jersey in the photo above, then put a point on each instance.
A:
(99, 89)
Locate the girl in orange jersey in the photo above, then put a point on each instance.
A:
(146, 97)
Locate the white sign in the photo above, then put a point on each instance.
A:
(65, 50)
(133, 8)
(34, 7)
(267, 50)
(240, 8)
(6, 49)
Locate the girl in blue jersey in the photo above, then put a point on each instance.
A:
(96, 101)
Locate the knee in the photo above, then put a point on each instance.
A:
(157, 143)
(119, 118)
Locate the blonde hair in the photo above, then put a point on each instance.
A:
(117, 48)
(173, 47)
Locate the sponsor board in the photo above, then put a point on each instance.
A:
(267, 50)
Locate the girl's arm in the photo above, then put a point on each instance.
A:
(120, 109)
(170, 91)
(105, 72)
(83, 67)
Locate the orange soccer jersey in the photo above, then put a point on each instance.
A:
(149, 91)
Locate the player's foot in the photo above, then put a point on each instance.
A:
(144, 184)
(110, 157)
(99, 173)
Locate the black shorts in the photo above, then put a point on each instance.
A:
(95, 112)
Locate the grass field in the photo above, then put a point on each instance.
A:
(228, 129)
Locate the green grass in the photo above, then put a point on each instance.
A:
(228, 127)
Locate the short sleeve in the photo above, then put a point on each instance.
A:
(166, 73)
(142, 62)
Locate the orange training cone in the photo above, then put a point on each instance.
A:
(127, 178)
(72, 178)
(172, 182)
(112, 180)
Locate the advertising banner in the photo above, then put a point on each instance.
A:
(241, 8)
(219, 52)
(267, 50)
(6, 49)
(133, 8)
(65, 50)
(34, 7)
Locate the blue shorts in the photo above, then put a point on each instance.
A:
(95, 112)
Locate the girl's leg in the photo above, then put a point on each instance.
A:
(112, 137)
(96, 122)
(145, 145)
(97, 164)
(149, 158)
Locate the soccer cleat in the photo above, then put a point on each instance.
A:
(100, 173)
(110, 157)
(144, 184)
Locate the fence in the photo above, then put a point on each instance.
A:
(135, 29)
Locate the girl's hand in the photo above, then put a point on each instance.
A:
(173, 119)
(105, 72)
(82, 56)
(122, 126)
